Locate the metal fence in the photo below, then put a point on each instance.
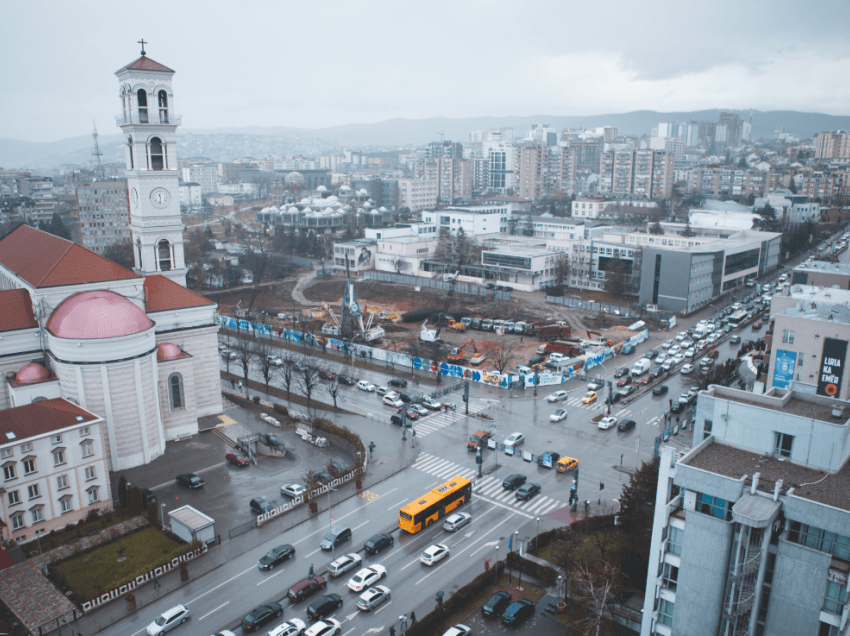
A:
(461, 288)
(591, 305)
(295, 260)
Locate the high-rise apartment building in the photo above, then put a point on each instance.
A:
(531, 163)
(444, 149)
(627, 171)
(204, 173)
(103, 213)
(833, 145)
(453, 175)
(418, 194)
(734, 128)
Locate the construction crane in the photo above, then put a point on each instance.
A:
(433, 335)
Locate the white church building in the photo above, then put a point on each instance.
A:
(135, 348)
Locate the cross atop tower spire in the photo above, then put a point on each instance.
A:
(142, 42)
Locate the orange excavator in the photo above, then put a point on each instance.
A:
(456, 354)
(591, 333)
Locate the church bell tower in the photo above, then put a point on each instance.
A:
(149, 126)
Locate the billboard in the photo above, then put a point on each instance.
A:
(832, 367)
(783, 371)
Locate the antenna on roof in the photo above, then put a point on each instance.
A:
(96, 150)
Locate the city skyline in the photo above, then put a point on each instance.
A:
(312, 67)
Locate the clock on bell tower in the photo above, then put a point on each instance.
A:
(148, 124)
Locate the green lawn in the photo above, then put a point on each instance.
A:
(96, 572)
(60, 537)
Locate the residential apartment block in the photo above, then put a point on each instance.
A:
(728, 182)
(103, 214)
(833, 145)
(205, 174)
(629, 171)
(418, 194)
(751, 534)
(475, 220)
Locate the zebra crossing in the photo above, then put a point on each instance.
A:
(432, 423)
(488, 487)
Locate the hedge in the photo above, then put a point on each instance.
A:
(341, 431)
(540, 572)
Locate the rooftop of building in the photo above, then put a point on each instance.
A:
(144, 63)
(824, 267)
(807, 405)
(824, 312)
(410, 238)
(16, 310)
(163, 294)
(817, 294)
(39, 418)
(808, 483)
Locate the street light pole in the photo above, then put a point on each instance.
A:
(163, 517)
(496, 567)
(537, 538)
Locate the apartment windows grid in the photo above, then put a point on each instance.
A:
(29, 466)
(90, 473)
(58, 458)
(665, 612)
(9, 472)
(836, 596)
(674, 540)
(784, 442)
(670, 575)
(818, 539)
(18, 521)
(37, 515)
(65, 505)
(33, 492)
(14, 497)
(62, 482)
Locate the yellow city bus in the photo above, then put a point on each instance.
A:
(422, 512)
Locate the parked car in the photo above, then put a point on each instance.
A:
(347, 380)
(458, 630)
(456, 521)
(270, 440)
(292, 490)
(397, 382)
(190, 480)
(382, 390)
(276, 556)
(512, 482)
(260, 505)
(237, 458)
(366, 386)
(497, 603)
(168, 620)
(378, 542)
(326, 374)
(517, 612)
(627, 349)
(261, 615)
(392, 400)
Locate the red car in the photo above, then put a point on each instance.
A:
(712, 354)
(645, 379)
(237, 458)
(626, 379)
(411, 415)
(326, 375)
(756, 325)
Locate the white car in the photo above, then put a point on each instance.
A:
(557, 396)
(292, 627)
(458, 630)
(668, 364)
(514, 439)
(365, 577)
(681, 336)
(374, 596)
(274, 360)
(434, 554)
(660, 358)
(366, 386)
(382, 390)
(292, 490)
(713, 337)
(344, 563)
(667, 344)
(690, 353)
(679, 357)
(393, 400)
(687, 343)
(325, 627)
(607, 422)
(557, 416)
(430, 403)
(673, 350)
(686, 369)
(168, 620)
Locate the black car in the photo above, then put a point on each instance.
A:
(276, 556)
(620, 373)
(490, 285)
(270, 440)
(676, 407)
(651, 354)
(627, 349)
(378, 543)
(536, 360)
(397, 382)
(626, 425)
(190, 480)
(660, 390)
(324, 477)
(517, 612)
(497, 603)
(260, 505)
(735, 339)
(324, 605)
(346, 380)
(261, 615)
(148, 496)
(528, 491)
(395, 419)
(656, 372)
(512, 482)
(407, 398)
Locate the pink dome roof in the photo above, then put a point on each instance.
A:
(32, 373)
(167, 351)
(97, 314)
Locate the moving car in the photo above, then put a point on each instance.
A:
(595, 385)
(261, 615)
(514, 439)
(456, 521)
(374, 596)
(497, 603)
(528, 491)
(392, 400)
(620, 373)
(558, 396)
(566, 464)
(434, 554)
(514, 481)
(382, 390)
(190, 480)
(624, 380)
(237, 458)
(430, 403)
(366, 386)
(324, 605)
(365, 577)
(628, 390)
(660, 358)
(168, 620)
(558, 415)
(292, 490)
(418, 409)
(626, 425)
(336, 537)
(344, 563)
(678, 358)
(276, 556)
(607, 422)
(306, 587)
(293, 627)
(686, 369)
(397, 382)
(346, 380)
(327, 627)
(660, 390)
(517, 612)
(656, 372)
(589, 398)
(378, 542)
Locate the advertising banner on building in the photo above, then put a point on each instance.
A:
(832, 366)
(783, 372)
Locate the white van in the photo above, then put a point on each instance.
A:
(641, 367)
(447, 278)
(700, 331)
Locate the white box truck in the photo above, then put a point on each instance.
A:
(641, 367)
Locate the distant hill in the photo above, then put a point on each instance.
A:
(231, 143)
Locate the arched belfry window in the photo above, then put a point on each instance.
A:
(175, 391)
(163, 252)
(163, 107)
(143, 106)
(130, 144)
(157, 155)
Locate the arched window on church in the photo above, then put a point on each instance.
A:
(175, 391)
(143, 106)
(130, 144)
(163, 107)
(157, 157)
(163, 252)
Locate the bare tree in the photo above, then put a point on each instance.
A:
(287, 372)
(503, 356)
(308, 382)
(562, 269)
(263, 354)
(244, 350)
(399, 264)
(332, 386)
(597, 595)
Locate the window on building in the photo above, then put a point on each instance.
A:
(26, 448)
(33, 491)
(784, 442)
(87, 449)
(665, 612)
(155, 151)
(91, 473)
(835, 544)
(142, 97)
(175, 389)
(84, 431)
(787, 336)
(14, 497)
(18, 521)
(65, 505)
(715, 506)
(93, 495)
(836, 596)
(9, 472)
(58, 457)
(29, 466)
(130, 146)
(163, 249)
(6, 453)
(828, 630)
(674, 540)
(707, 425)
(56, 439)
(162, 98)
(37, 515)
(670, 576)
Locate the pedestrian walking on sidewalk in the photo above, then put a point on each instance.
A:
(403, 620)
(392, 630)
(412, 619)
(156, 582)
(232, 384)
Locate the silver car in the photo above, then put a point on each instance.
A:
(168, 620)
(374, 596)
(456, 521)
(344, 563)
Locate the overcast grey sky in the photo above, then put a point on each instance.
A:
(317, 64)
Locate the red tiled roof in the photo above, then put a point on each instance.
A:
(16, 310)
(39, 418)
(162, 294)
(45, 260)
(145, 63)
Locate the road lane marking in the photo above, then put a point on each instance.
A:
(485, 536)
(433, 536)
(386, 605)
(213, 611)
(271, 576)
(398, 504)
(361, 525)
